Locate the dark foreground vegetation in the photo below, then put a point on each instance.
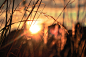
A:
(21, 47)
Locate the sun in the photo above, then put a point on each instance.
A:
(34, 29)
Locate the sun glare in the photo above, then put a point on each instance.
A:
(34, 29)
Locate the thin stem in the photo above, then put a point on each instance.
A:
(11, 15)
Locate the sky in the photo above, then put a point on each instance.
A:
(53, 8)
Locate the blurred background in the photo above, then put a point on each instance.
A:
(42, 28)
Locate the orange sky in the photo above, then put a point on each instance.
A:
(53, 8)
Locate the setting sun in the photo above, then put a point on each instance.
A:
(34, 29)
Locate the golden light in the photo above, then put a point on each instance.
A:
(34, 29)
(31, 23)
(28, 22)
